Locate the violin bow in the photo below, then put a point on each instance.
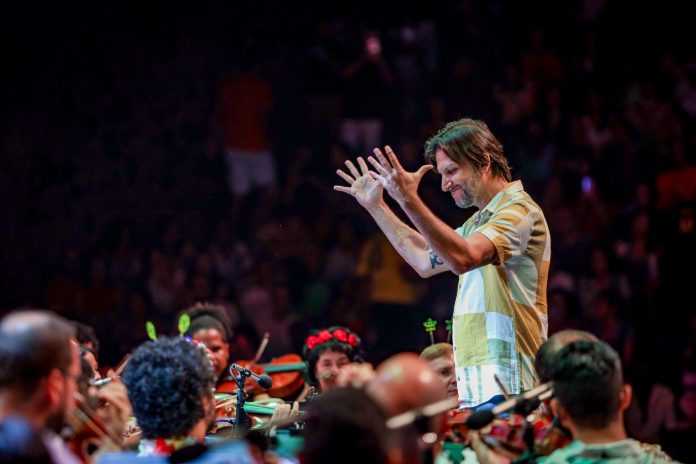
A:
(119, 368)
(506, 395)
(262, 348)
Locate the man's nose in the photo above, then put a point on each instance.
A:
(446, 184)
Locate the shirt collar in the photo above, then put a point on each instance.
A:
(509, 188)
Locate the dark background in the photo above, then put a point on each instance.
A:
(113, 183)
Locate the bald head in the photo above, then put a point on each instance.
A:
(32, 344)
(404, 382)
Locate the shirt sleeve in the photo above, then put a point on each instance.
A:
(509, 229)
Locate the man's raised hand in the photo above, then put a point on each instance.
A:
(361, 184)
(401, 184)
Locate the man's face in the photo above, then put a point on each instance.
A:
(65, 402)
(444, 367)
(328, 367)
(462, 181)
(220, 350)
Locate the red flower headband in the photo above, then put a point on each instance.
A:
(325, 336)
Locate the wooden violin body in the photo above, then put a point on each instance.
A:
(285, 371)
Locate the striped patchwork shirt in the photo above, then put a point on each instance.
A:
(500, 314)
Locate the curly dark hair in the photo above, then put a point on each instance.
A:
(85, 335)
(315, 346)
(167, 381)
(209, 316)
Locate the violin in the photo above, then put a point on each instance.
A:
(89, 432)
(285, 371)
(260, 412)
(507, 435)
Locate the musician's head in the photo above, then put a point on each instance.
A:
(588, 384)
(441, 359)
(170, 384)
(402, 383)
(39, 367)
(543, 362)
(345, 425)
(210, 326)
(327, 351)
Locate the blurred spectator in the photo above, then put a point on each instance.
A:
(367, 80)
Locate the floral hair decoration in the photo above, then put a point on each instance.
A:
(336, 338)
(339, 334)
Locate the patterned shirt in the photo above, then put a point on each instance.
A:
(618, 452)
(500, 315)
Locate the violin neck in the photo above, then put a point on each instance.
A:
(278, 368)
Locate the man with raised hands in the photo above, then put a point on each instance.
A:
(501, 253)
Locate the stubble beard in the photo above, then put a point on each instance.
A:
(469, 189)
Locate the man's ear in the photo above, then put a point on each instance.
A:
(559, 411)
(52, 387)
(625, 395)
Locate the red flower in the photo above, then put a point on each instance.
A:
(324, 336)
(340, 335)
(312, 341)
(352, 340)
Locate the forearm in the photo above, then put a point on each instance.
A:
(411, 245)
(454, 250)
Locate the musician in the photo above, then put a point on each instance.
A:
(170, 384)
(345, 425)
(210, 325)
(590, 398)
(89, 347)
(441, 358)
(328, 352)
(39, 368)
(543, 365)
(401, 383)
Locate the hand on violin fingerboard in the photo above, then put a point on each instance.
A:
(284, 412)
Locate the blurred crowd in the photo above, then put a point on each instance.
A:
(130, 191)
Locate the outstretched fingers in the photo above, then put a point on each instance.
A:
(379, 167)
(345, 176)
(363, 165)
(382, 159)
(392, 157)
(353, 170)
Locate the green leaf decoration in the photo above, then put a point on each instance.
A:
(151, 332)
(430, 326)
(448, 325)
(184, 324)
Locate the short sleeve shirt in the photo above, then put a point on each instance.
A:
(500, 313)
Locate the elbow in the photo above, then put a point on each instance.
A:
(460, 266)
(423, 273)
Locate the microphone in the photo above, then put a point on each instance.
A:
(522, 404)
(263, 380)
